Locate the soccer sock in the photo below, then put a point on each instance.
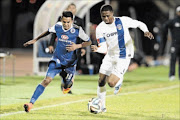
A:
(101, 92)
(39, 90)
(119, 82)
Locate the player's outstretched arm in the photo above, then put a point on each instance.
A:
(85, 44)
(74, 46)
(29, 42)
(36, 39)
(149, 35)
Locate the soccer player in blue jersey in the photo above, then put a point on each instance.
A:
(64, 58)
(114, 39)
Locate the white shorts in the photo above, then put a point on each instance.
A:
(114, 65)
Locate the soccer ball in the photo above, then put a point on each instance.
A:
(94, 105)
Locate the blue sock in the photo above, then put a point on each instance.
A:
(39, 90)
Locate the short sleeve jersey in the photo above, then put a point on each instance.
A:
(66, 37)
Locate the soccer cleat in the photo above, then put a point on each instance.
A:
(28, 106)
(65, 91)
(117, 89)
(70, 92)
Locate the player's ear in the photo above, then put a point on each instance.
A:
(112, 13)
(72, 21)
(61, 19)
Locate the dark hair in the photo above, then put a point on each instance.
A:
(106, 8)
(67, 14)
(72, 5)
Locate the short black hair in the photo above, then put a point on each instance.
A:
(106, 8)
(67, 14)
(72, 5)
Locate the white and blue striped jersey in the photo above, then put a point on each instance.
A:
(117, 37)
(66, 37)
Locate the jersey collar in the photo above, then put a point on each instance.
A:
(111, 23)
(68, 29)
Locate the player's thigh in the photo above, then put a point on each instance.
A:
(52, 70)
(106, 66)
(120, 68)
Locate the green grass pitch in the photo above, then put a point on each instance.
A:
(146, 94)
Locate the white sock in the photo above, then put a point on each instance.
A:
(101, 93)
(119, 82)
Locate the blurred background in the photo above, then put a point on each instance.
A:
(22, 20)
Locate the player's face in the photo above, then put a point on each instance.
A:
(72, 8)
(107, 17)
(66, 22)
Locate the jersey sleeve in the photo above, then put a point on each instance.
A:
(83, 35)
(52, 29)
(99, 36)
(131, 23)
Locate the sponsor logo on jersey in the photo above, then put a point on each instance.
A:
(64, 37)
(72, 30)
(111, 34)
(67, 41)
(119, 26)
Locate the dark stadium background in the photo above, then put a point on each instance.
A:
(16, 23)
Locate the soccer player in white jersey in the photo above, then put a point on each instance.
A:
(64, 57)
(114, 39)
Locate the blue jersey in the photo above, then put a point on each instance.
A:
(66, 37)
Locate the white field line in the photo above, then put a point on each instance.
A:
(66, 103)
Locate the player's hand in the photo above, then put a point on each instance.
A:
(83, 52)
(71, 47)
(94, 48)
(149, 35)
(51, 49)
(29, 42)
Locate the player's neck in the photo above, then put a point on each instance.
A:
(67, 29)
(111, 21)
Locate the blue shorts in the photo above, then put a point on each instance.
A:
(54, 69)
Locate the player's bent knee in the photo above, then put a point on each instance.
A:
(102, 82)
(111, 84)
(46, 81)
(52, 64)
